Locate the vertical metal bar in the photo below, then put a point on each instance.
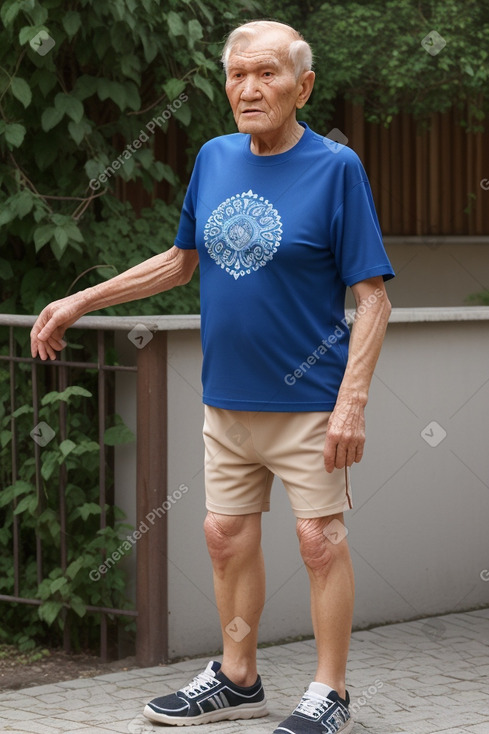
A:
(152, 570)
(102, 469)
(104, 655)
(13, 429)
(101, 424)
(37, 458)
(62, 385)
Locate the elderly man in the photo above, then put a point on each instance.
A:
(282, 221)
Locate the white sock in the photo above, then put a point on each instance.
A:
(320, 689)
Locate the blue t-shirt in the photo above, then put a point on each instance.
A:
(279, 238)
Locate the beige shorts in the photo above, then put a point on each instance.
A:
(244, 450)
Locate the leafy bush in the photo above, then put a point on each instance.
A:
(65, 592)
(68, 114)
(371, 53)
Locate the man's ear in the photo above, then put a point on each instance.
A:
(307, 84)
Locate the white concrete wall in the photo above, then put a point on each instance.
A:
(418, 530)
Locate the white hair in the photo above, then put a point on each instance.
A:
(299, 51)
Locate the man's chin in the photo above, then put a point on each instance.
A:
(253, 126)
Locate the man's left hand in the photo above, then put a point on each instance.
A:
(345, 435)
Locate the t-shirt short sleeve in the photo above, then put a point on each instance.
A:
(185, 239)
(355, 232)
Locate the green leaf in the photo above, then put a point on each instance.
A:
(131, 67)
(183, 114)
(93, 168)
(164, 171)
(117, 435)
(26, 504)
(15, 490)
(175, 24)
(85, 86)
(78, 130)
(74, 568)
(195, 32)
(133, 99)
(145, 157)
(71, 23)
(49, 611)
(6, 215)
(27, 33)
(78, 606)
(23, 203)
(9, 12)
(14, 134)
(42, 235)
(150, 48)
(23, 410)
(50, 118)
(205, 85)
(50, 462)
(67, 446)
(107, 89)
(5, 436)
(57, 584)
(21, 90)
(61, 237)
(173, 87)
(89, 508)
(69, 105)
(73, 232)
(55, 397)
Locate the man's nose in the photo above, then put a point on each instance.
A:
(250, 88)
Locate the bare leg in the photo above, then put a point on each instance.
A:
(234, 543)
(332, 594)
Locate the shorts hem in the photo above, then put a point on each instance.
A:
(240, 510)
(322, 511)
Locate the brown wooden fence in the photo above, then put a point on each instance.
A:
(424, 182)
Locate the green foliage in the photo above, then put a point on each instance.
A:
(78, 85)
(371, 53)
(64, 592)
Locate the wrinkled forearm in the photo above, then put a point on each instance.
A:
(365, 344)
(159, 273)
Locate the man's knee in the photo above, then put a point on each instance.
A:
(228, 535)
(318, 550)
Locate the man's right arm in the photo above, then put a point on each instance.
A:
(159, 273)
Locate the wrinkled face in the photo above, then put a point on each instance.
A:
(261, 85)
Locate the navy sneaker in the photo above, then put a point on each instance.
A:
(317, 714)
(209, 697)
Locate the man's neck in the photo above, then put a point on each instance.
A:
(278, 141)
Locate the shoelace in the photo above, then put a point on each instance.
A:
(199, 684)
(313, 706)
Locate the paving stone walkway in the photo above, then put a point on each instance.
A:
(425, 677)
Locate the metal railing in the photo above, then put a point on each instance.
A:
(151, 611)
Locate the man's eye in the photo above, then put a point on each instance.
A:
(268, 74)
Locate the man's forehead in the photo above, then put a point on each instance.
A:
(271, 46)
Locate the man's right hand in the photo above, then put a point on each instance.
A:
(51, 324)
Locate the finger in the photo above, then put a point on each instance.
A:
(56, 343)
(341, 456)
(329, 455)
(41, 350)
(359, 453)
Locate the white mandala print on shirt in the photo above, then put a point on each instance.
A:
(243, 233)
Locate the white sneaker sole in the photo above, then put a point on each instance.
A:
(345, 729)
(231, 713)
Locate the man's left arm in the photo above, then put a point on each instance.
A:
(345, 436)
